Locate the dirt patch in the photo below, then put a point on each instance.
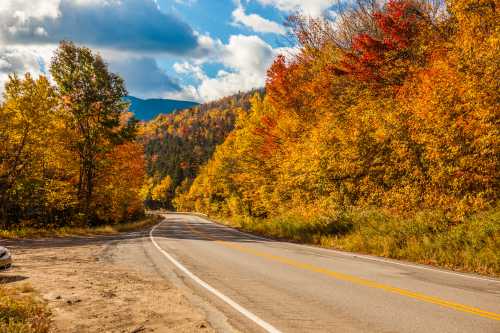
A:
(88, 293)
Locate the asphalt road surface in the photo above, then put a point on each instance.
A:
(263, 285)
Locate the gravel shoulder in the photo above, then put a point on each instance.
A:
(91, 285)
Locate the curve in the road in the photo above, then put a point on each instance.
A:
(262, 323)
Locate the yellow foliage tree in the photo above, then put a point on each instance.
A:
(35, 173)
(163, 191)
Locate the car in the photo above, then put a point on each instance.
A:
(5, 258)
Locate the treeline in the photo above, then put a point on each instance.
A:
(381, 135)
(68, 154)
(178, 144)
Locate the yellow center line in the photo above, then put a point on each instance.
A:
(351, 278)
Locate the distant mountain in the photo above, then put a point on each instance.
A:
(147, 109)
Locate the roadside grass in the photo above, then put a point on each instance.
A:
(472, 245)
(29, 232)
(22, 312)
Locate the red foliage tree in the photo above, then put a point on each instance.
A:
(277, 83)
(285, 83)
(266, 131)
(398, 23)
(371, 57)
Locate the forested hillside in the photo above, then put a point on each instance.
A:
(67, 148)
(381, 135)
(177, 144)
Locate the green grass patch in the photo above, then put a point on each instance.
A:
(472, 245)
(30, 232)
(21, 312)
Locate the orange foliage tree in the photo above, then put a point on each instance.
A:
(119, 184)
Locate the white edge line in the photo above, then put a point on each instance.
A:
(354, 255)
(265, 325)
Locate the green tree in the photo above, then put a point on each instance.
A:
(92, 97)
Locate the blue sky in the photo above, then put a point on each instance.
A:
(185, 49)
(215, 17)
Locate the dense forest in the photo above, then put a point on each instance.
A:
(67, 148)
(380, 135)
(178, 144)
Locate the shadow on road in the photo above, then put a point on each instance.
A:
(57, 242)
(181, 228)
(11, 278)
(174, 227)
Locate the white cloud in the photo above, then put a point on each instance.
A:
(40, 31)
(207, 48)
(20, 60)
(15, 60)
(246, 58)
(248, 54)
(189, 69)
(143, 77)
(256, 22)
(225, 84)
(313, 8)
(27, 9)
(188, 93)
(128, 25)
(126, 32)
(132, 35)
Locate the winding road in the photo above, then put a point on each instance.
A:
(261, 285)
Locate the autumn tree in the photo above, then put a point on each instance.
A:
(386, 54)
(163, 192)
(69, 154)
(34, 172)
(453, 112)
(119, 182)
(92, 96)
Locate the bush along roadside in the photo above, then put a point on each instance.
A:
(110, 229)
(428, 237)
(22, 312)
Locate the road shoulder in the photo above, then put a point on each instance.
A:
(88, 291)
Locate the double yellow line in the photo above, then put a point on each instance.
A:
(351, 278)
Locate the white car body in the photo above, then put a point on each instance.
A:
(5, 258)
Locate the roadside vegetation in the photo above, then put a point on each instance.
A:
(380, 135)
(68, 231)
(427, 237)
(22, 312)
